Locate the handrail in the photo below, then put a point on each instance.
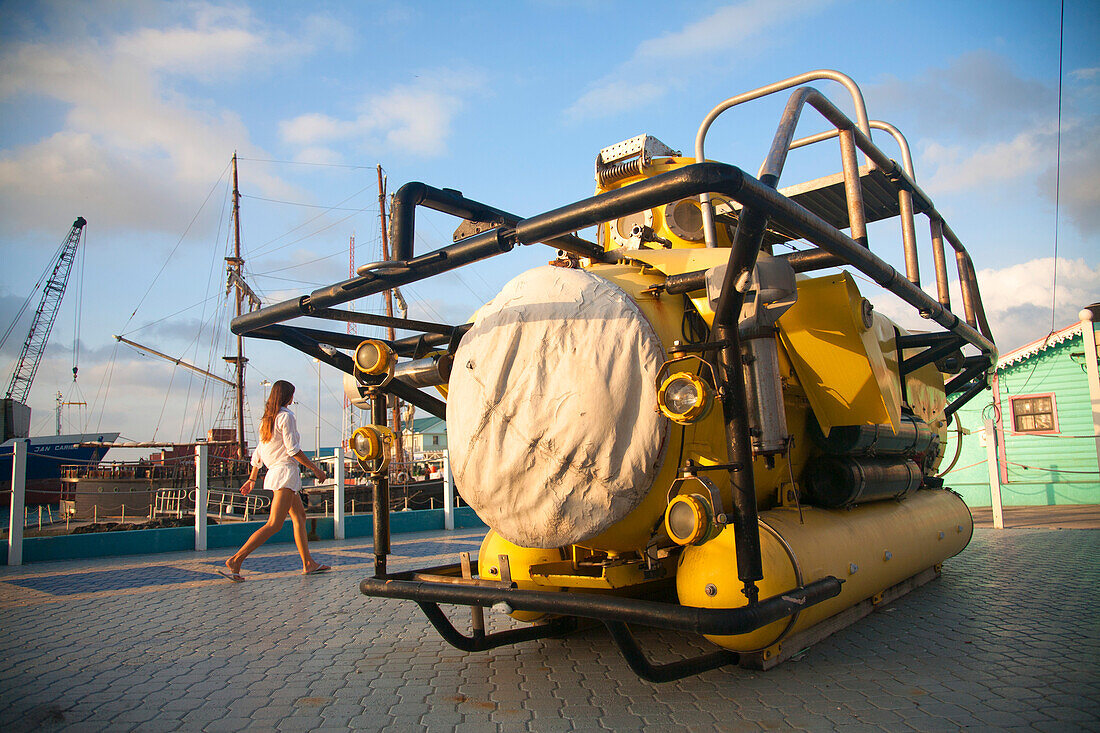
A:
(903, 144)
(710, 235)
(853, 136)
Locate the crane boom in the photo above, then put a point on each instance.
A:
(42, 323)
(177, 362)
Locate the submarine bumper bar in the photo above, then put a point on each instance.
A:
(614, 612)
(610, 608)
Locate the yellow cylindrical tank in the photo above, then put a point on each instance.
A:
(870, 547)
(520, 560)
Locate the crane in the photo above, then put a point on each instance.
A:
(42, 323)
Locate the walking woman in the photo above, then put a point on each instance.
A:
(279, 450)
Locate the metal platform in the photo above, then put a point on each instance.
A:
(825, 197)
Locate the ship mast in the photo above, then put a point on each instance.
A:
(399, 449)
(235, 264)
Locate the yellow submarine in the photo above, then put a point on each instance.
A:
(695, 422)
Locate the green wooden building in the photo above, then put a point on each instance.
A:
(1045, 404)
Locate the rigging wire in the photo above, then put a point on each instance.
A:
(1058, 165)
(261, 249)
(37, 286)
(177, 246)
(202, 302)
(303, 162)
(299, 203)
(303, 264)
(1057, 202)
(198, 413)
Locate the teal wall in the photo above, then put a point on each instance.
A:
(182, 539)
(1038, 470)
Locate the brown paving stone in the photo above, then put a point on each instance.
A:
(1006, 637)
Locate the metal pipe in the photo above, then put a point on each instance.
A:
(709, 232)
(718, 621)
(465, 251)
(690, 180)
(414, 396)
(381, 496)
(973, 391)
(636, 659)
(430, 371)
(853, 189)
(734, 396)
(483, 642)
(903, 144)
(686, 282)
(943, 291)
(909, 236)
(449, 201)
(809, 260)
(810, 226)
(962, 262)
(371, 319)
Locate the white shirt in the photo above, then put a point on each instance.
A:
(284, 443)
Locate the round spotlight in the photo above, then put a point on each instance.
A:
(374, 357)
(684, 398)
(689, 519)
(367, 443)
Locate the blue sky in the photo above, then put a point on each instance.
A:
(127, 113)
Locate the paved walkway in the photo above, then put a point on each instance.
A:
(1008, 638)
(1062, 516)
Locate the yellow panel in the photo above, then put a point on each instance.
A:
(679, 261)
(838, 362)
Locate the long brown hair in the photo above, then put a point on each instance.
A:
(282, 392)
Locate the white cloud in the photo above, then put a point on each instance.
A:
(189, 50)
(615, 95)
(1017, 299)
(977, 95)
(961, 167)
(658, 64)
(415, 117)
(325, 156)
(1003, 129)
(133, 152)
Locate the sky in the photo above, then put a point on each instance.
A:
(128, 113)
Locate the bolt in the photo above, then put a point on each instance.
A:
(710, 590)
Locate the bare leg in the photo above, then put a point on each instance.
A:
(298, 518)
(280, 505)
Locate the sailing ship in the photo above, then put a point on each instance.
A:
(114, 489)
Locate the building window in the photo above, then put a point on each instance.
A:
(1034, 414)
(435, 440)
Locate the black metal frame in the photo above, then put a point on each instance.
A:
(433, 586)
(760, 203)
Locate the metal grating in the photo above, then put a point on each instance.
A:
(825, 197)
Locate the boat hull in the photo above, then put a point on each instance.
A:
(45, 458)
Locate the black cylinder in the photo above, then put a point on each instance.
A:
(381, 509)
(834, 482)
(912, 438)
(686, 282)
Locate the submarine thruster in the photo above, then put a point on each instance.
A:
(695, 422)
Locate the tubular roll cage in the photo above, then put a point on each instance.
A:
(497, 232)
